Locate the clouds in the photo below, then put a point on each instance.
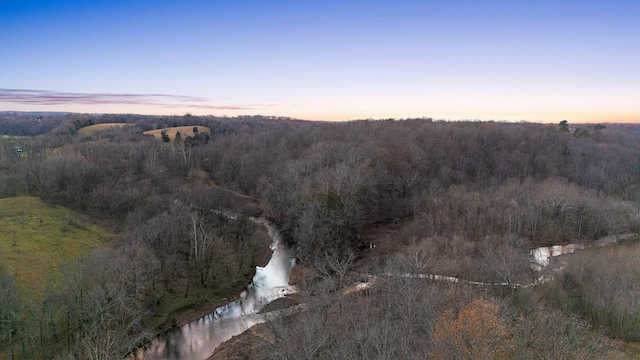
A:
(539, 61)
(55, 98)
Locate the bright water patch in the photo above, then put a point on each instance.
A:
(198, 339)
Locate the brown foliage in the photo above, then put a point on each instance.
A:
(476, 332)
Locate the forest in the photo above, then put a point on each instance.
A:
(462, 199)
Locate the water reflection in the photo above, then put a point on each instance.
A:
(198, 339)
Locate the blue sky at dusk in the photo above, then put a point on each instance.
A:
(540, 61)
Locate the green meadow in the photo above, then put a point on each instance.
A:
(36, 238)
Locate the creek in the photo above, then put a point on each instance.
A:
(542, 255)
(198, 339)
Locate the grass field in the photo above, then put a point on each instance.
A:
(92, 129)
(184, 131)
(35, 238)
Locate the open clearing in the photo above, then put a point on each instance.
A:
(92, 129)
(45, 237)
(183, 130)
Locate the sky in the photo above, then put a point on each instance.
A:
(537, 61)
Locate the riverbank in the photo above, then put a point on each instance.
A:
(384, 243)
(178, 311)
(381, 241)
(213, 325)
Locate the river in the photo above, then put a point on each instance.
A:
(197, 339)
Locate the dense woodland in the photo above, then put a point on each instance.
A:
(464, 199)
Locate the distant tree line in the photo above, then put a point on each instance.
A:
(475, 195)
(323, 182)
